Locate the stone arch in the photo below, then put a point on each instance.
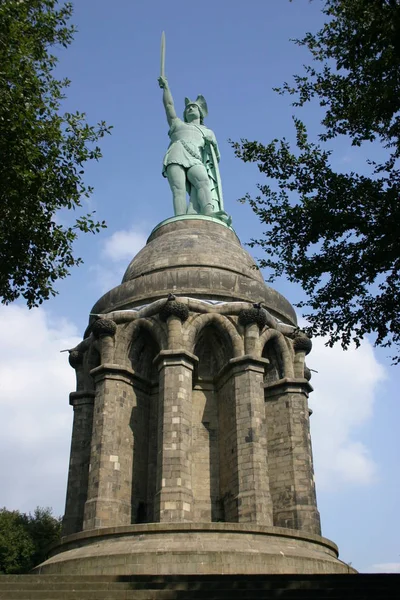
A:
(129, 332)
(222, 324)
(155, 329)
(273, 346)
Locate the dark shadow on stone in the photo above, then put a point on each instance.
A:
(274, 370)
(213, 349)
(143, 350)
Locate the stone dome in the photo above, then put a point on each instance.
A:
(198, 257)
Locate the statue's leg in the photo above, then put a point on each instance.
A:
(193, 208)
(198, 177)
(177, 180)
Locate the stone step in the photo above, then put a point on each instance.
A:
(114, 594)
(235, 581)
(219, 587)
(187, 595)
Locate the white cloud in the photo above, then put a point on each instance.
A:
(35, 428)
(107, 278)
(386, 568)
(346, 386)
(125, 244)
(119, 249)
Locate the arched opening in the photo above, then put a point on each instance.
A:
(278, 448)
(214, 349)
(275, 369)
(143, 424)
(142, 353)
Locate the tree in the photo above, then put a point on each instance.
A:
(26, 539)
(16, 545)
(42, 152)
(336, 233)
(45, 531)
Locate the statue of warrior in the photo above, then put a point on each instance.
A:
(191, 161)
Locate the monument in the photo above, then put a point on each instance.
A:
(191, 449)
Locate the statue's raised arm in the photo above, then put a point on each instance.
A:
(191, 161)
(167, 100)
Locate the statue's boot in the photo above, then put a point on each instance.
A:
(208, 210)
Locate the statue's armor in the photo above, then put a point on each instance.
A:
(187, 143)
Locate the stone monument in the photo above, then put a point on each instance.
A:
(191, 449)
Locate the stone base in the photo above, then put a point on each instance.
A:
(193, 548)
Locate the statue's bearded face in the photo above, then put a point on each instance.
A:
(192, 112)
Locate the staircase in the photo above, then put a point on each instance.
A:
(208, 587)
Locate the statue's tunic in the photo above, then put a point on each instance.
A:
(187, 144)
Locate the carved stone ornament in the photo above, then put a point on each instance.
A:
(257, 315)
(75, 358)
(175, 308)
(307, 373)
(302, 343)
(103, 327)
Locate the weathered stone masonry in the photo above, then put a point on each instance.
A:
(191, 448)
(144, 461)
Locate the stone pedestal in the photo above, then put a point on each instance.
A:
(194, 548)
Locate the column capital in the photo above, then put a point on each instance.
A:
(120, 372)
(82, 397)
(247, 362)
(289, 385)
(112, 370)
(175, 358)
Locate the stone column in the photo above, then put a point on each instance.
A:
(302, 346)
(253, 320)
(174, 497)
(78, 473)
(290, 455)
(110, 475)
(254, 500)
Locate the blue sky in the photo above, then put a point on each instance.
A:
(233, 53)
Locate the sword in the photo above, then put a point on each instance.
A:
(162, 73)
(217, 177)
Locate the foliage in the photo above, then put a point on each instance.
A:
(333, 232)
(25, 539)
(45, 531)
(16, 545)
(42, 152)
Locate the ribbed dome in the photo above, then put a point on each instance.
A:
(196, 257)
